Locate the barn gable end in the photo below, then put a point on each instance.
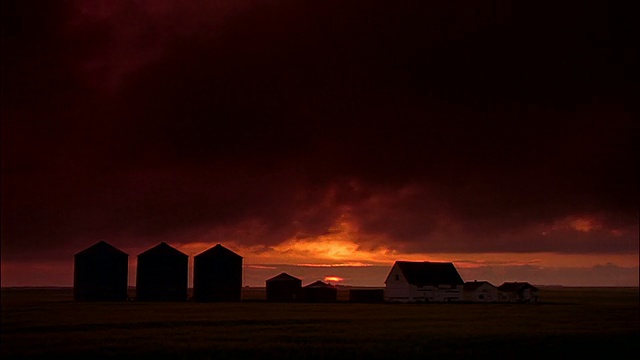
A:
(423, 282)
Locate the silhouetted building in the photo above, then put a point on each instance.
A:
(217, 275)
(319, 292)
(480, 291)
(284, 288)
(366, 295)
(162, 274)
(518, 292)
(100, 273)
(423, 282)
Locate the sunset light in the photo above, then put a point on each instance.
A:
(311, 179)
(333, 279)
(319, 158)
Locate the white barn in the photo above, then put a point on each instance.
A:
(423, 282)
(480, 291)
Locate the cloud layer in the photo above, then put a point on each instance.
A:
(492, 127)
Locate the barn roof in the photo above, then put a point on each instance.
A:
(429, 273)
(473, 285)
(515, 286)
(101, 247)
(163, 249)
(283, 277)
(218, 251)
(320, 284)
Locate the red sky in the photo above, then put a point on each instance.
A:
(323, 138)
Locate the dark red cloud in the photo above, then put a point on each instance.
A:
(437, 127)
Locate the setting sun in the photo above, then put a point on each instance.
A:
(333, 279)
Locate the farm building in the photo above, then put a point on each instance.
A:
(319, 292)
(100, 273)
(162, 274)
(423, 282)
(480, 291)
(217, 275)
(518, 292)
(366, 295)
(284, 288)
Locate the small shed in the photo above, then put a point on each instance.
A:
(423, 282)
(480, 291)
(369, 296)
(284, 288)
(320, 292)
(162, 274)
(518, 292)
(217, 275)
(100, 273)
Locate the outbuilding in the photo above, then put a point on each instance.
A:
(423, 282)
(369, 296)
(320, 292)
(284, 288)
(162, 274)
(480, 291)
(518, 292)
(100, 273)
(217, 275)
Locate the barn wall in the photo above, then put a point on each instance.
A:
(484, 293)
(397, 289)
(441, 293)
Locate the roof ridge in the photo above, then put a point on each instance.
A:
(163, 246)
(217, 249)
(101, 246)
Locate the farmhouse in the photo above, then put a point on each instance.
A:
(480, 291)
(423, 282)
(217, 275)
(162, 274)
(284, 288)
(518, 292)
(319, 292)
(100, 273)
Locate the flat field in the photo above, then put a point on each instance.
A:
(569, 322)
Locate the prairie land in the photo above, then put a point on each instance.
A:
(570, 322)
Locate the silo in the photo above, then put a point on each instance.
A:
(284, 288)
(100, 274)
(319, 292)
(217, 275)
(162, 274)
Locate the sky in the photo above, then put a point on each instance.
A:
(325, 139)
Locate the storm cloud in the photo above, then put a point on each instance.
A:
(489, 127)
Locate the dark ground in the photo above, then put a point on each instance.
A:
(569, 322)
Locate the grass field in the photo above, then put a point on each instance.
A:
(570, 322)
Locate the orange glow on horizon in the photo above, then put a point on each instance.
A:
(331, 279)
(348, 264)
(343, 246)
